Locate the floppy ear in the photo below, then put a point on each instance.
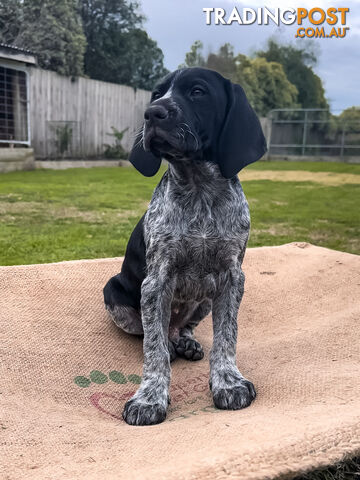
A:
(241, 140)
(145, 162)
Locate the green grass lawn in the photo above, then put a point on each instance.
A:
(346, 470)
(48, 216)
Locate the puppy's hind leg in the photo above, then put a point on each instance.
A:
(122, 306)
(126, 318)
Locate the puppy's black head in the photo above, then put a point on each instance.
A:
(196, 113)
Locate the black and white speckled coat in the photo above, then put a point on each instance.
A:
(184, 258)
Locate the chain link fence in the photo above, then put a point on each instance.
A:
(312, 132)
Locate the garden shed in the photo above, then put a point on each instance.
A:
(60, 117)
(15, 125)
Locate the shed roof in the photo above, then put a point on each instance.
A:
(16, 54)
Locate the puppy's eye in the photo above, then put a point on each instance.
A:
(197, 92)
(156, 95)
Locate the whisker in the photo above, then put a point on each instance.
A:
(140, 138)
(188, 130)
(138, 132)
(181, 133)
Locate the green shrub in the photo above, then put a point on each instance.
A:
(116, 150)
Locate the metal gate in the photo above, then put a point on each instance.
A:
(312, 132)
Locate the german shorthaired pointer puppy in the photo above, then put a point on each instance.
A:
(184, 257)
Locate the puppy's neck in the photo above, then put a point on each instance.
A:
(198, 174)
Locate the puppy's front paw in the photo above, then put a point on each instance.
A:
(235, 397)
(139, 413)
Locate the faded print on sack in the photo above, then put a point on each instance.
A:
(187, 398)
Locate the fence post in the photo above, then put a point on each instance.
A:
(269, 124)
(304, 134)
(342, 141)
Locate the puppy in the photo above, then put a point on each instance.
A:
(184, 257)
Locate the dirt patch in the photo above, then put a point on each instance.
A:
(325, 178)
(277, 229)
(10, 210)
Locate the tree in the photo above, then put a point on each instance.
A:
(223, 61)
(49, 28)
(351, 114)
(143, 61)
(118, 50)
(298, 63)
(194, 58)
(265, 83)
(10, 20)
(102, 38)
(350, 117)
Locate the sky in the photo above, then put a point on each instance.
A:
(176, 24)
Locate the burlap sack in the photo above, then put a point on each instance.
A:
(67, 371)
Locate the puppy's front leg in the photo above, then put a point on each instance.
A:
(148, 405)
(231, 391)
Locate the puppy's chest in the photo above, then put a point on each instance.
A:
(196, 239)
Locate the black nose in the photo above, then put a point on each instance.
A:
(156, 113)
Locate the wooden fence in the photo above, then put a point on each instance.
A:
(72, 117)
